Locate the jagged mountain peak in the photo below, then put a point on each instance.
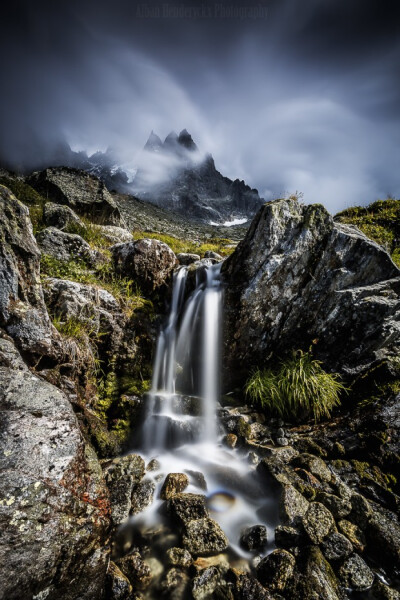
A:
(186, 140)
(154, 143)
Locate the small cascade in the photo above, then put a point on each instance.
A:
(185, 387)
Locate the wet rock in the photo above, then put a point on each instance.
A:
(205, 584)
(149, 262)
(212, 254)
(318, 580)
(292, 504)
(175, 584)
(57, 215)
(84, 193)
(253, 459)
(282, 441)
(353, 533)
(314, 465)
(186, 259)
(248, 588)
(153, 465)
(136, 570)
(383, 533)
(380, 591)
(254, 538)
(336, 547)
(356, 574)
(118, 586)
(275, 570)
(67, 246)
(142, 496)
(187, 507)
(197, 478)
(294, 260)
(337, 506)
(286, 537)
(121, 476)
(361, 510)
(174, 484)
(54, 507)
(230, 440)
(318, 522)
(179, 557)
(23, 313)
(203, 537)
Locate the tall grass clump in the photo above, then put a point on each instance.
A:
(298, 389)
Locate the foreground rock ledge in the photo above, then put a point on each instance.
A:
(298, 276)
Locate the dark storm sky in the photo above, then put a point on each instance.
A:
(287, 94)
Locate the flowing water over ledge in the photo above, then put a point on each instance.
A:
(181, 429)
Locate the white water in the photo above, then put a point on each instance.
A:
(181, 428)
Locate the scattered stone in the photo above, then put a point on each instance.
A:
(336, 547)
(275, 570)
(254, 538)
(198, 479)
(136, 570)
(142, 496)
(361, 510)
(356, 574)
(187, 259)
(314, 464)
(231, 440)
(286, 537)
(253, 459)
(318, 522)
(174, 484)
(175, 584)
(149, 262)
(353, 533)
(84, 193)
(205, 584)
(118, 586)
(153, 465)
(292, 504)
(204, 536)
(67, 246)
(282, 441)
(155, 566)
(220, 561)
(57, 215)
(337, 506)
(248, 588)
(187, 507)
(179, 557)
(121, 476)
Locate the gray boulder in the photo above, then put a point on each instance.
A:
(114, 234)
(23, 313)
(67, 246)
(299, 276)
(84, 193)
(203, 537)
(121, 476)
(186, 258)
(54, 505)
(148, 262)
(58, 215)
(356, 574)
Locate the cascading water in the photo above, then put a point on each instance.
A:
(180, 429)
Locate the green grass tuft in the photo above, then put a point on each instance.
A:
(298, 389)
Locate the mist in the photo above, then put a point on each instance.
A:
(290, 98)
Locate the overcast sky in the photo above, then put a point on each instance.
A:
(287, 94)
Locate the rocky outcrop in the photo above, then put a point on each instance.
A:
(23, 313)
(84, 193)
(54, 506)
(298, 277)
(148, 262)
(67, 246)
(60, 216)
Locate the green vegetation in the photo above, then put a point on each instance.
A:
(298, 389)
(380, 221)
(221, 245)
(89, 232)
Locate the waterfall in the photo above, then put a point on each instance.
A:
(185, 386)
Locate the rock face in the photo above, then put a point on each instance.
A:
(297, 277)
(148, 262)
(82, 192)
(53, 506)
(23, 314)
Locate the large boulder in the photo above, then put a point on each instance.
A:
(54, 508)
(148, 262)
(297, 277)
(60, 216)
(67, 246)
(23, 313)
(82, 192)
